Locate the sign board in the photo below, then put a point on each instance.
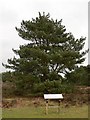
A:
(53, 96)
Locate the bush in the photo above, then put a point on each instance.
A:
(53, 87)
(8, 89)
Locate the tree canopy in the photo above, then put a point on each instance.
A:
(80, 76)
(50, 51)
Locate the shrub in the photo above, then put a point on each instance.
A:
(53, 87)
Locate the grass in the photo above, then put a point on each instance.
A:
(39, 112)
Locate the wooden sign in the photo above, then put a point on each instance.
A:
(53, 96)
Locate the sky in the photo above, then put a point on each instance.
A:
(74, 14)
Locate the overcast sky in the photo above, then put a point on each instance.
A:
(73, 12)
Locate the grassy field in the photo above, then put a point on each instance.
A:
(39, 112)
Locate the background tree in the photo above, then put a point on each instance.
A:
(79, 76)
(51, 50)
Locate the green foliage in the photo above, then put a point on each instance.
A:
(53, 87)
(80, 76)
(51, 51)
(7, 76)
(51, 48)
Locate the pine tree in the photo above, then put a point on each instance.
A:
(50, 51)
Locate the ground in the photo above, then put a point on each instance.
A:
(35, 108)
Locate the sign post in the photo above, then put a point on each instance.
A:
(53, 96)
